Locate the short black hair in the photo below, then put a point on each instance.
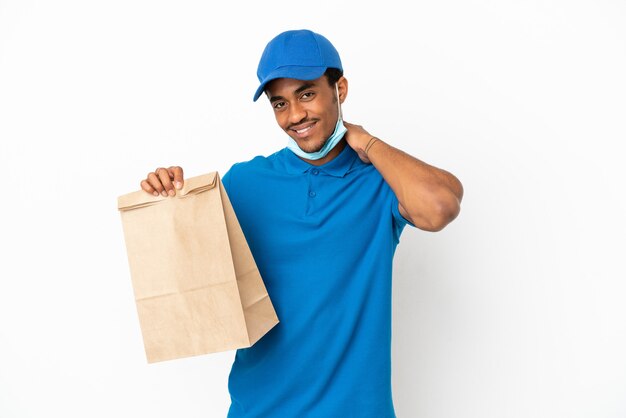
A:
(333, 75)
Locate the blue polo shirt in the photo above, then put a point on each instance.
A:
(323, 239)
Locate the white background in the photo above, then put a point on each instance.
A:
(516, 309)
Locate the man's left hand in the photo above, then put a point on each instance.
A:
(358, 138)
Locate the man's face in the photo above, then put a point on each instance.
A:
(305, 109)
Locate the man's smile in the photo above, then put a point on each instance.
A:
(303, 130)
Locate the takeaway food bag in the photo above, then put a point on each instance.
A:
(197, 287)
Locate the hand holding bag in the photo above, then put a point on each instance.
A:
(197, 287)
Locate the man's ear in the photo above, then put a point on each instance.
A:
(342, 86)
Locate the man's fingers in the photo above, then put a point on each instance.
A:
(163, 181)
(155, 181)
(145, 186)
(177, 174)
(166, 181)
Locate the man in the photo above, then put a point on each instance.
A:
(322, 218)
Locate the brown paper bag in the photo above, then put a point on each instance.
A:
(196, 285)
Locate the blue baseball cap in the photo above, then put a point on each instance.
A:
(300, 54)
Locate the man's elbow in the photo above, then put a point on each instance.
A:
(443, 211)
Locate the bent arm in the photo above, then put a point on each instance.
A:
(429, 197)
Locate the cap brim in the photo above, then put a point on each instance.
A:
(290, 71)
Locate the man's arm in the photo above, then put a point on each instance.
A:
(429, 197)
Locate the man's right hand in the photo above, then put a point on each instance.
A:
(163, 181)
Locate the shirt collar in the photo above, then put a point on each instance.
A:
(337, 167)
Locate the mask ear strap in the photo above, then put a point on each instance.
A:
(338, 101)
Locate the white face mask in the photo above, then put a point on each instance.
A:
(331, 142)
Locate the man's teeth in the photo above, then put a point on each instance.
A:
(303, 130)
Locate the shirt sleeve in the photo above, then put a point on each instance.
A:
(227, 180)
(399, 221)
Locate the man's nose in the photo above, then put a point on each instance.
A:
(297, 113)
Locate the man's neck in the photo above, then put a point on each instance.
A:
(330, 156)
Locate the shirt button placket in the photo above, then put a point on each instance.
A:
(313, 173)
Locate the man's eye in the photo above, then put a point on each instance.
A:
(308, 95)
(278, 105)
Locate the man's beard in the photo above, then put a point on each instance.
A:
(316, 148)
